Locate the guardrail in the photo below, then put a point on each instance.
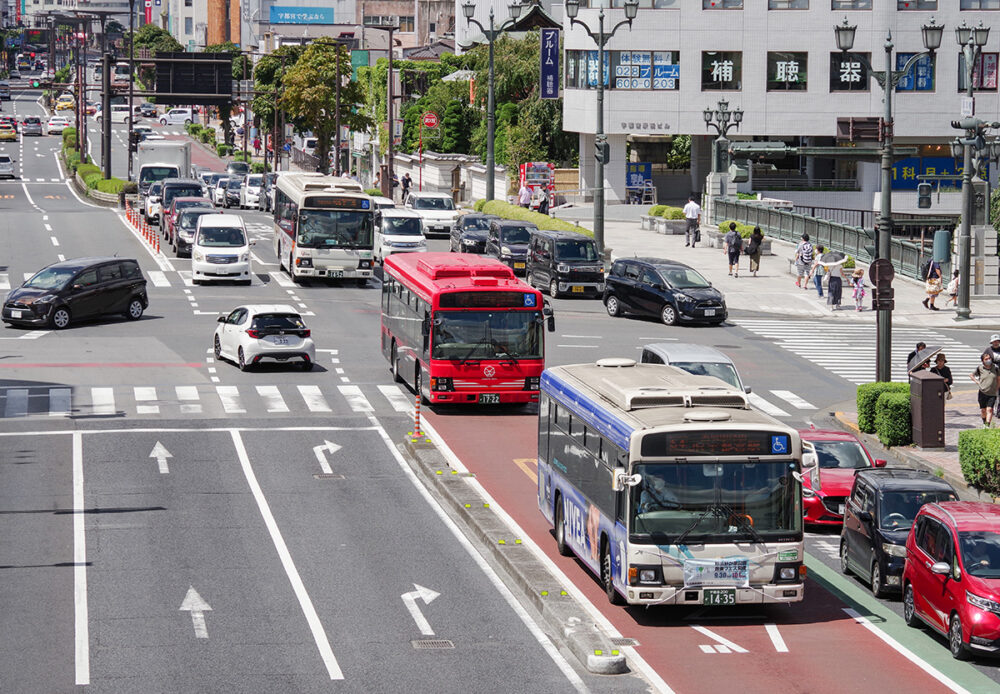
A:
(307, 161)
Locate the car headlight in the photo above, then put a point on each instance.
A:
(808, 493)
(504, 250)
(45, 299)
(894, 550)
(245, 257)
(982, 603)
(684, 298)
(468, 242)
(198, 256)
(562, 268)
(185, 234)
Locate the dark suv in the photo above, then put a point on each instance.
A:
(665, 288)
(507, 241)
(468, 233)
(178, 188)
(877, 518)
(565, 262)
(232, 195)
(77, 289)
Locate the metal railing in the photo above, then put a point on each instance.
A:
(854, 218)
(776, 183)
(309, 162)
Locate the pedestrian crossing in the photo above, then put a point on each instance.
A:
(848, 350)
(827, 545)
(202, 401)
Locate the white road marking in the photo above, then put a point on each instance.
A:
(305, 602)
(61, 257)
(48, 227)
(705, 648)
(314, 399)
(103, 401)
(28, 276)
(230, 397)
(272, 398)
(59, 402)
(81, 624)
(410, 600)
(579, 346)
(320, 452)
(282, 279)
(16, 404)
(719, 639)
(794, 400)
(54, 240)
(190, 395)
(776, 639)
(159, 278)
(396, 398)
(196, 605)
(161, 454)
(766, 407)
(144, 394)
(581, 337)
(356, 399)
(4, 280)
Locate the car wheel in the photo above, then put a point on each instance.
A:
(554, 289)
(187, 121)
(135, 309)
(560, 527)
(196, 282)
(877, 583)
(909, 609)
(217, 349)
(668, 314)
(955, 643)
(60, 318)
(163, 121)
(614, 597)
(613, 306)
(844, 566)
(306, 365)
(394, 364)
(242, 360)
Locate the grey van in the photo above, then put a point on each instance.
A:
(700, 360)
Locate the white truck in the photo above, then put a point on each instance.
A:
(160, 159)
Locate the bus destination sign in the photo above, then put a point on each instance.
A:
(726, 443)
(328, 202)
(487, 300)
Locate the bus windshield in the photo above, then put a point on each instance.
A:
(714, 502)
(335, 229)
(472, 335)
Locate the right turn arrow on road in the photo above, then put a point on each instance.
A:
(410, 600)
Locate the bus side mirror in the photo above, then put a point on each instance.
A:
(550, 319)
(425, 326)
(621, 480)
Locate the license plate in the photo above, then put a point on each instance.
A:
(489, 399)
(15, 314)
(709, 311)
(840, 509)
(280, 340)
(577, 290)
(518, 266)
(336, 273)
(718, 596)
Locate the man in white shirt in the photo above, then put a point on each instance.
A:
(524, 196)
(692, 213)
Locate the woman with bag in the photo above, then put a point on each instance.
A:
(944, 372)
(754, 247)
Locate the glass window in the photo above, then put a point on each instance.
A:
(845, 455)
(916, 4)
(786, 71)
(788, 4)
(722, 4)
(465, 335)
(850, 4)
(984, 73)
(848, 73)
(631, 69)
(108, 273)
(406, 24)
(898, 508)
(721, 70)
(920, 78)
(979, 5)
(980, 553)
(87, 279)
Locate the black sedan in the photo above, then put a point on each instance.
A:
(233, 186)
(667, 289)
(468, 233)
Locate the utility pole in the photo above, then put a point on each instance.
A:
(246, 109)
(106, 120)
(131, 78)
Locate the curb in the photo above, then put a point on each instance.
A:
(562, 615)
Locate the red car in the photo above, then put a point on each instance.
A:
(951, 580)
(827, 486)
(178, 204)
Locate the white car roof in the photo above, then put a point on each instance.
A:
(255, 309)
(399, 212)
(428, 195)
(221, 220)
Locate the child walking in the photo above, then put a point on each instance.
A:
(953, 290)
(858, 283)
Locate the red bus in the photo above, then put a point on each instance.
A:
(459, 328)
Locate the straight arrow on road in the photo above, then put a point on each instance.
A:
(410, 600)
(321, 452)
(197, 606)
(161, 454)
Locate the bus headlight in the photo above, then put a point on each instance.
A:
(531, 383)
(364, 264)
(441, 384)
(788, 574)
(644, 575)
(304, 262)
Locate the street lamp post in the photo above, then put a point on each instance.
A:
(724, 119)
(601, 153)
(491, 34)
(887, 79)
(387, 181)
(131, 78)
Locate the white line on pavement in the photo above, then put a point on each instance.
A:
(766, 407)
(314, 399)
(793, 399)
(103, 401)
(396, 398)
(159, 278)
(55, 241)
(719, 639)
(59, 402)
(230, 397)
(776, 638)
(356, 399)
(82, 627)
(272, 398)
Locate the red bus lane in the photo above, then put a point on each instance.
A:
(810, 646)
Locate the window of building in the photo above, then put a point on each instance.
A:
(848, 73)
(188, 3)
(916, 4)
(920, 78)
(788, 4)
(786, 71)
(721, 70)
(979, 5)
(188, 26)
(850, 4)
(722, 4)
(643, 4)
(633, 70)
(406, 24)
(984, 73)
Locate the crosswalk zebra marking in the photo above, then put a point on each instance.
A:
(314, 399)
(4, 280)
(28, 276)
(766, 407)
(356, 399)
(145, 394)
(272, 399)
(793, 399)
(188, 395)
(17, 403)
(158, 277)
(282, 279)
(60, 401)
(230, 398)
(103, 401)
(396, 398)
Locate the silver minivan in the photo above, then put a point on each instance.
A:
(700, 360)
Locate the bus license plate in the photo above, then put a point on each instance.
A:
(336, 274)
(709, 311)
(719, 596)
(489, 399)
(577, 290)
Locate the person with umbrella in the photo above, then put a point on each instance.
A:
(985, 376)
(912, 363)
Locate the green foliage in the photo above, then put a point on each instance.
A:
(240, 61)
(374, 192)
(72, 158)
(85, 169)
(223, 150)
(746, 196)
(207, 135)
(867, 397)
(656, 210)
(849, 263)
(668, 212)
(113, 186)
(744, 229)
(193, 129)
(61, 75)
(240, 156)
(267, 77)
(67, 135)
(508, 211)
(456, 126)
(679, 156)
(979, 457)
(259, 167)
(892, 419)
(91, 179)
(478, 205)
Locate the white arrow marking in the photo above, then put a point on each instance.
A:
(321, 451)
(161, 454)
(719, 639)
(410, 600)
(197, 606)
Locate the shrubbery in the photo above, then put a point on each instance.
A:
(666, 211)
(979, 456)
(868, 394)
(259, 167)
(223, 150)
(374, 192)
(892, 419)
(744, 229)
(207, 135)
(193, 129)
(542, 221)
(478, 205)
(240, 156)
(111, 185)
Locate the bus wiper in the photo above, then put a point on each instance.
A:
(699, 519)
(745, 524)
(484, 342)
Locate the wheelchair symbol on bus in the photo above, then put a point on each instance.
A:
(779, 445)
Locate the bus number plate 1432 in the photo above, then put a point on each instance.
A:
(719, 596)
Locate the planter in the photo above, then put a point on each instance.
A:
(714, 239)
(672, 227)
(647, 222)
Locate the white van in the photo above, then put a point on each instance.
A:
(398, 231)
(119, 114)
(220, 249)
(700, 360)
(179, 116)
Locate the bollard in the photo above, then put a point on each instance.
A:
(157, 243)
(417, 434)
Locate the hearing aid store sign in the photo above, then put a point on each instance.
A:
(286, 14)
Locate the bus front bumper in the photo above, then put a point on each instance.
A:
(332, 272)
(484, 398)
(676, 595)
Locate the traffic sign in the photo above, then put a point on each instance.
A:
(430, 120)
(881, 272)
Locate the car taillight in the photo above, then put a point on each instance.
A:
(255, 334)
(305, 333)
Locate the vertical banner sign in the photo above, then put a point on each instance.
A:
(550, 63)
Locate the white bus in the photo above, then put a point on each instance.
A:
(669, 487)
(323, 227)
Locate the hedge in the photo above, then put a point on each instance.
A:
(86, 169)
(223, 150)
(868, 394)
(259, 167)
(666, 211)
(240, 156)
(979, 456)
(194, 129)
(744, 229)
(478, 205)
(111, 185)
(374, 192)
(892, 419)
(91, 179)
(207, 135)
(542, 221)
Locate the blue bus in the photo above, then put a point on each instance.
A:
(668, 487)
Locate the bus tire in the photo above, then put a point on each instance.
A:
(614, 597)
(418, 385)
(394, 364)
(560, 528)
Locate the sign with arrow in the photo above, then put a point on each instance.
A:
(197, 606)
(410, 600)
(161, 454)
(321, 452)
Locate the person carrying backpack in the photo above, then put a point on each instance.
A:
(733, 243)
(803, 261)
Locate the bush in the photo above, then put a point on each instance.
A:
(91, 179)
(259, 167)
(69, 134)
(509, 211)
(131, 187)
(207, 135)
(849, 263)
(744, 229)
(979, 456)
(374, 192)
(194, 129)
(868, 394)
(892, 419)
(240, 156)
(223, 150)
(72, 160)
(86, 169)
(111, 185)
(657, 210)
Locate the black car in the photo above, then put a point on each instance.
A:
(147, 110)
(507, 241)
(240, 168)
(233, 186)
(182, 232)
(565, 262)
(77, 289)
(468, 233)
(877, 518)
(665, 288)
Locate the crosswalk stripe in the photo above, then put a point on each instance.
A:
(59, 402)
(4, 280)
(17, 403)
(185, 276)
(29, 275)
(159, 278)
(272, 398)
(766, 407)
(395, 396)
(314, 399)
(356, 399)
(793, 399)
(103, 400)
(188, 395)
(230, 397)
(144, 394)
(282, 279)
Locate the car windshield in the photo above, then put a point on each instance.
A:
(724, 372)
(980, 553)
(221, 236)
(515, 235)
(477, 335)
(714, 502)
(188, 191)
(278, 321)
(402, 226)
(335, 229)
(899, 508)
(156, 173)
(576, 250)
(470, 223)
(51, 278)
(846, 455)
(181, 204)
(433, 204)
(254, 180)
(218, 180)
(189, 218)
(238, 167)
(683, 278)
(234, 183)
(155, 189)
(4, 159)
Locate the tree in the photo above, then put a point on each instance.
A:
(310, 88)
(156, 39)
(267, 77)
(456, 128)
(679, 156)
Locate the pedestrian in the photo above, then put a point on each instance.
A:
(754, 247)
(817, 271)
(835, 286)
(934, 284)
(944, 372)
(803, 261)
(993, 349)
(406, 183)
(985, 376)
(378, 179)
(911, 355)
(543, 203)
(524, 196)
(733, 244)
(858, 286)
(692, 213)
(953, 290)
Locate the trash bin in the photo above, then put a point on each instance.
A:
(927, 397)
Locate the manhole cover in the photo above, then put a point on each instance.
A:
(621, 641)
(432, 644)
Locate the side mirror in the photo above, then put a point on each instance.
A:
(253, 243)
(77, 287)
(550, 324)
(746, 389)
(220, 319)
(865, 517)
(879, 462)
(941, 568)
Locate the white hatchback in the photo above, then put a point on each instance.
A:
(179, 116)
(220, 249)
(436, 209)
(56, 125)
(252, 333)
(398, 231)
